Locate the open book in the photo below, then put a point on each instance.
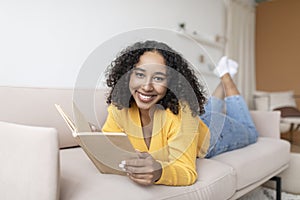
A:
(106, 150)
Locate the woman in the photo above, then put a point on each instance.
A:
(155, 99)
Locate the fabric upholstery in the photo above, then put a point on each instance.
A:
(249, 167)
(29, 162)
(269, 129)
(264, 100)
(81, 180)
(290, 178)
(231, 171)
(35, 107)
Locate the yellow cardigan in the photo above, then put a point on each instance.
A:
(176, 140)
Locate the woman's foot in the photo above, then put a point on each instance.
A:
(226, 65)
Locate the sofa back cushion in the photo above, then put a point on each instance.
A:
(267, 123)
(271, 100)
(35, 106)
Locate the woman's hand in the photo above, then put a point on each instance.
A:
(144, 170)
(94, 128)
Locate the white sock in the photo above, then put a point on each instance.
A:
(222, 67)
(233, 66)
(225, 66)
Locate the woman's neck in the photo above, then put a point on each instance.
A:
(147, 125)
(147, 115)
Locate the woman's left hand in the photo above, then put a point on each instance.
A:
(144, 170)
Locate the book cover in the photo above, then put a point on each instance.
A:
(105, 150)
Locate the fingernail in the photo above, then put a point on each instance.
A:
(123, 162)
(121, 166)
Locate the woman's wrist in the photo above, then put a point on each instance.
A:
(158, 172)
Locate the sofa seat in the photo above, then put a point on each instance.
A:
(252, 169)
(80, 179)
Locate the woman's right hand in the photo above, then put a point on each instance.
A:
(144, 170)
(94, 128)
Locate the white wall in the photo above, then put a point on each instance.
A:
(45, 43)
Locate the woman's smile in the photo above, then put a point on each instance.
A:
(145, 98)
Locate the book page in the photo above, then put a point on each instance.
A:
(82, 125)
(66, 118)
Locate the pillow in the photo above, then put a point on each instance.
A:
(282, 99)
(261, 100)
(272, 100)
(288, 111)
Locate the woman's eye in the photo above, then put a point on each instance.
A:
(139, 75)
(158, 79)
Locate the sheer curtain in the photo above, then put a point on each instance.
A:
(240, 32)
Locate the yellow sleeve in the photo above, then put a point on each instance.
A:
(111, 124)
(179, 171)
(183, 143)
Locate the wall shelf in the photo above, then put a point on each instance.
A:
(217, 42)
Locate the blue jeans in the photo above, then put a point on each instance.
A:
(230, 130)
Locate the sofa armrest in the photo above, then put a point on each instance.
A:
(267, 123)
(29, 159)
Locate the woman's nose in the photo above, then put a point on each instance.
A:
(148, 86)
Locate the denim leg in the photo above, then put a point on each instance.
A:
(214, 105)
(232, 131)
(214, 119)
(237, 109)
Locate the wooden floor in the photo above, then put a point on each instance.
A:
(295, 144)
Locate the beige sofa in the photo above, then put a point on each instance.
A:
(34, 168)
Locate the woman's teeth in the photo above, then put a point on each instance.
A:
(144, 97)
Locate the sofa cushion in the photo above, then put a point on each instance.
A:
(81, 180)
(264, 129)
(35, 106)
(290, 178)
(270, 100)
(257, 161)
(29, 162)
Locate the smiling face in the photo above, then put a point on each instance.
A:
(148, 80)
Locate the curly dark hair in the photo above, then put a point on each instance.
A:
(183, 85)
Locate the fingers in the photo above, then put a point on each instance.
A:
(144, 164)
(143, 159)
(139, 170)
(143, 179)
(139, 162)
(141, 176)
(138, 166)
(142, 154)
(143, 170)
(93, 127)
